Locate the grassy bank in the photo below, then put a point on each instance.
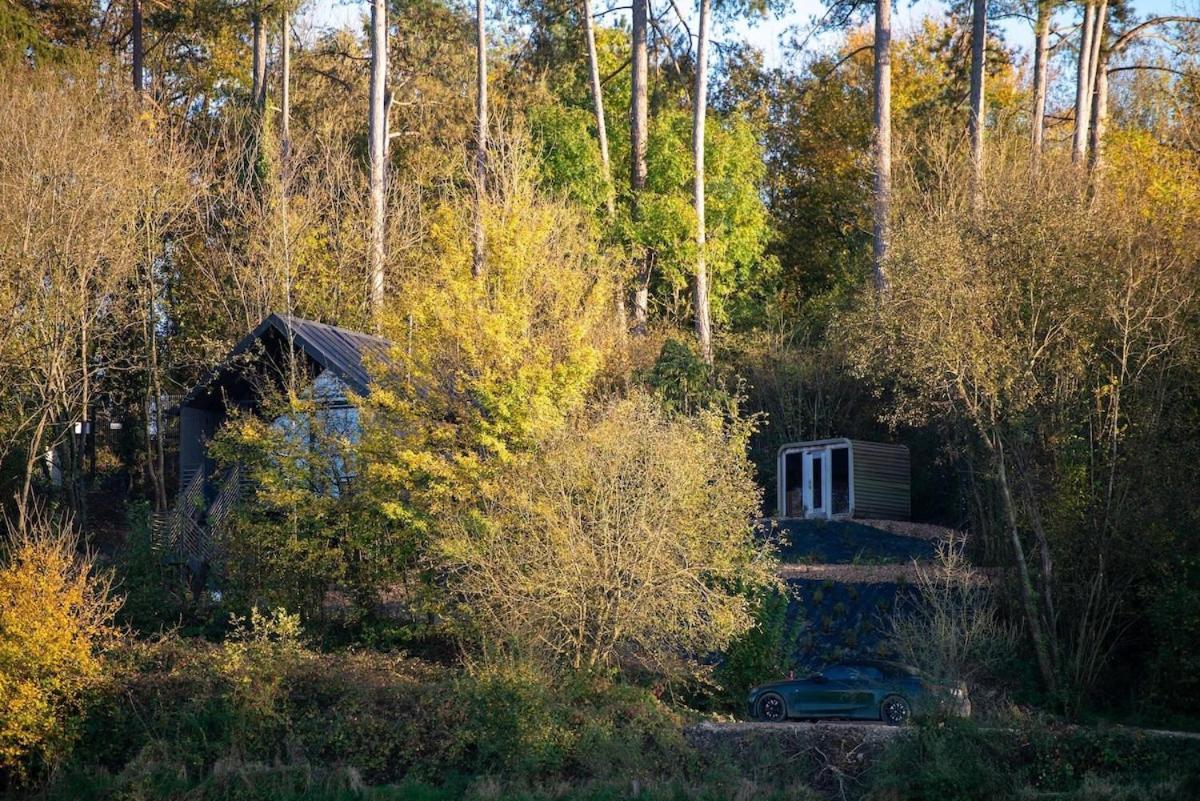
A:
(265, 718)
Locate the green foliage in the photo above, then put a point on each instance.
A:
(956, 759)
(736, 219)
(294, 537)
(151, 592)
(762, 654)
(569, 155)
(484, 368)
(523, 724)
(191, 714)
(1174, 614)
(683, 380)
(950, 760)
(20, 35)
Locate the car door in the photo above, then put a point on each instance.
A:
(862, 691)
(846, 686)
(830, 692)
(813, 696)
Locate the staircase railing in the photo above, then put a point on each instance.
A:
(189, 531)
(228, 494)
(176, 531)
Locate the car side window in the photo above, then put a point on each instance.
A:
(840, 673)
(872, 674)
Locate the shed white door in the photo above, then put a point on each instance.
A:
(816, 482)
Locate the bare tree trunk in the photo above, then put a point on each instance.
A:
(1083, 88)
(79, 479)
(1097, 38)
(377, 141)
(139, 50)
(975, 120)
(481, 135)
(589, 30)
(1098, 65)
(1041, 56)
(258, 89)
(33, 455)
(155, 463)
(702, 311)
(285, 88)
(285, 177)
(883, 140)
(638, 120)
(1099, 115)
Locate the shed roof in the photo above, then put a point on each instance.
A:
(327, 347)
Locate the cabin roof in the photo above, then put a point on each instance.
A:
(837, 441)
(325, 347)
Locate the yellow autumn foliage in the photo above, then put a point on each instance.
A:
(56, 616)
(625, 541)
(484, 367)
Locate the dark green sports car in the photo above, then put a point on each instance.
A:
(858, 690)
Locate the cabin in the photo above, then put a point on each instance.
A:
(332, 364)
(839, 479)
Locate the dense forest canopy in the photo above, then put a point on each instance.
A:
(610, 248)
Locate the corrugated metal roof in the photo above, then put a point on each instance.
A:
(339, 350)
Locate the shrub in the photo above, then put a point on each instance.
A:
(522, 722)
(623, 542)
(292, 538)
(762, 653)
(152, 596)
(55, 622)
(950, 760)
(682, 379)
(483, 369)
(951, 628)
(188, 714)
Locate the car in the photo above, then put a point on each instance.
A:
(854, 690)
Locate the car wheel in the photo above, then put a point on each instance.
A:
(771, 708)
(894, 711)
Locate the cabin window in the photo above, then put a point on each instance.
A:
(334, 421)
(818, 481)
(840, 480)
(793, 466)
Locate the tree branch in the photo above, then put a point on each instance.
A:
(615, 72)
(844, 59)
(327, 75)
(1154, 67)
(683, 21)
(1125, 39)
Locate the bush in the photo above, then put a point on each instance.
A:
(524, 723)
(152, 596)
(763, 653)
(951, 629)
(623, 542)
(292, 539)
(682, 380)
(55, 622)
(950, 760)
(184, 711)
